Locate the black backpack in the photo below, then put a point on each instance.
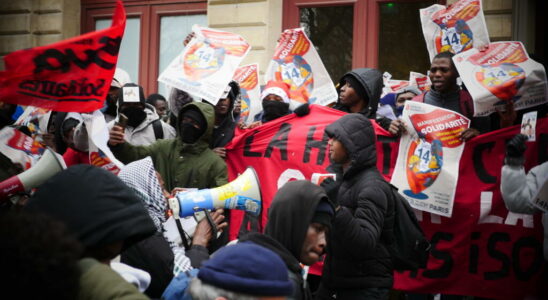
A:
(409, 247)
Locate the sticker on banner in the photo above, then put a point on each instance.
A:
(131, 94)
(528, 125)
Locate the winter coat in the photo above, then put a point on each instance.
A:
(143, 135)
(289, 216)
(357, 256)
(180, 164)
(99, 282)
(224, 133)
(518, 190)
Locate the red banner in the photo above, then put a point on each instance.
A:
(483, 250)
(72, 75)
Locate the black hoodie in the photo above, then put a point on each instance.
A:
(371, 82)
(356, 253)
(95, 205)
(289, 216)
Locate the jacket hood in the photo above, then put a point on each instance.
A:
(356, 133)
(290, 214)
(95, 205)
(371, 81)
(209, 114)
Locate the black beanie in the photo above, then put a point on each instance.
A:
(357, 86)
(195, 114)
(323, 214)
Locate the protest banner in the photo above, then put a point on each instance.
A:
(456, 28)
(20, 148)
(421, 81)
(502, 73)
(297, 63)
(73, 75)
(426, 171)
(207, 63)
(482, 250)
(250, 91)
(99, 152)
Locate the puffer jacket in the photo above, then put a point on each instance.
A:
(518, 189)
(357, 256)
(143, 135)
(180, 164)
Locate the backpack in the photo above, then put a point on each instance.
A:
(177, 288)
(409, 247)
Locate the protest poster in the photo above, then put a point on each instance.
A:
(421, 81)
(503, 73)
(36, 119)
(428, 159)
(99, 152)
(73, 75)
(207, 64)
(20, 148)
(482, 250)
(456, 28)
(297, 63)
(250, 91)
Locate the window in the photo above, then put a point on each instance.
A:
(379, 34)
(155, 31)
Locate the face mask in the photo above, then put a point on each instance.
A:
(109, 107)
(135, 115)
(189, 133)
(274, 109)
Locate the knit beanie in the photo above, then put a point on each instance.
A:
(323, 214)
(357, 86)
(249, 269)
(195, 114)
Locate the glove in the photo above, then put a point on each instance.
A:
(302, 110)
(515, 148)
(331, 188)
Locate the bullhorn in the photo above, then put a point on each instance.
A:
(243, 193)
(48, 165)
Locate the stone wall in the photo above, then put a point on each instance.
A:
(258, 21)
(31, 23)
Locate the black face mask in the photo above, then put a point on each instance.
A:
(135, 115)
(111, 106)
(274, 109)
(189, 133)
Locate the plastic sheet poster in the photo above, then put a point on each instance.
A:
(297, 63)
(250, 91)
(427, 167)
(20, 148)
(421, 81)
(99, 152)
(502, 73)
(207, 64)
(456, 28)
(36, 119)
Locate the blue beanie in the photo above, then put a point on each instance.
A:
(247, 268)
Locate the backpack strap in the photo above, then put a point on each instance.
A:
(466, 104)
(158, 130)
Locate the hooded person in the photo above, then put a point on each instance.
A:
(144, 126)
(298, 221)
(186, 161)
(160, 255)
(103, 214)
(275, 101)
(358, 264)
(359, 92)
(110, 110)
(225, 123)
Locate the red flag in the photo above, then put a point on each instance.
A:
(73, 75)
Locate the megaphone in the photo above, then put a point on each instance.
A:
(243, 193)
(49, 164)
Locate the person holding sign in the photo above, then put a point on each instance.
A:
(520, 190)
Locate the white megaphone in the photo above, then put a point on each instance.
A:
(243, 193)
(49, 164)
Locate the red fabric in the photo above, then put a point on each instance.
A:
(471, 254)
(73, 157)
(73, 75)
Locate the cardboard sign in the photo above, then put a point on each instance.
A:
(502, 73)
(456, 28)
(297, 63)
(250, 91)
(207, 64)
(73, 75)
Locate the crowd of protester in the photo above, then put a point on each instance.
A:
(89, 234)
